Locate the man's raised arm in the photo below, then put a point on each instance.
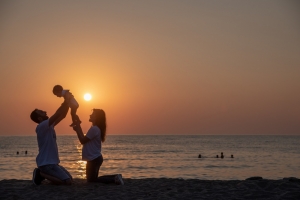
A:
(60, 113)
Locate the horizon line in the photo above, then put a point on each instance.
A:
(170, 135)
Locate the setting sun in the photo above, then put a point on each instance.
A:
(87, 97)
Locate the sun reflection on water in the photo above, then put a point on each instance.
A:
(81, 169)
(80, 164)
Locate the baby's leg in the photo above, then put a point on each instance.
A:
(75, 118)
(73, 113)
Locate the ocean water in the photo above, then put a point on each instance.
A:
(169, 156)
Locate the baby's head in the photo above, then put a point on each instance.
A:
(57, 90)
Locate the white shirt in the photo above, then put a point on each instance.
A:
(92, 149)
(72, 101)
(46, 138)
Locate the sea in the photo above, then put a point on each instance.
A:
(165, 156)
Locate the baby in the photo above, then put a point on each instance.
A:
(73, 104)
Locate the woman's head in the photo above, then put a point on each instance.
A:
(98, 118)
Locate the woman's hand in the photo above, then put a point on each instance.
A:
(82, 138)
(76, 127)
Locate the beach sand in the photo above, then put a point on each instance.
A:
(155, 188)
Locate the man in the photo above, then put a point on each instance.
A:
(47, 159)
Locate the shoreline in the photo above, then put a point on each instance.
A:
(156, 188)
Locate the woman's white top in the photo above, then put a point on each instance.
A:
(92, 149)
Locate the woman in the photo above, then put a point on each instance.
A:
(91, 150)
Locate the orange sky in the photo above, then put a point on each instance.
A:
(155, 67)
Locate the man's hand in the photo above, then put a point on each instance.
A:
(60, 114)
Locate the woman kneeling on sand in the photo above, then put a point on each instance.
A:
(91, 150)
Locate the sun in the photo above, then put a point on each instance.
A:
(87, 96)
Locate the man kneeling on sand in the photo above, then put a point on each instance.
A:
(47, 159)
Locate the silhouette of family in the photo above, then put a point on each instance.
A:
(47, 159)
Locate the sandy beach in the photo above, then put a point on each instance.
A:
(155, 188)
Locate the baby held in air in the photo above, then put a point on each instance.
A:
(73, 104)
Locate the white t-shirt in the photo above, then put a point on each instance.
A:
(92, 149)
(46, 138)
(72, 101)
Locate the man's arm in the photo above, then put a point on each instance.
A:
(61, 117)
(60, 113)
(82, 138)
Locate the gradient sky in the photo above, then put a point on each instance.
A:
(155, 67)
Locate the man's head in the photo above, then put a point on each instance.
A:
(57, 90)
(38, 116)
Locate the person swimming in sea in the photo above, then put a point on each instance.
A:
(222, 156)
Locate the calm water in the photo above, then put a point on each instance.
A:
(271, 157)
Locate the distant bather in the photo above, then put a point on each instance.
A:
(222, 156)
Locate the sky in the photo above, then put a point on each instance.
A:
(155, 67)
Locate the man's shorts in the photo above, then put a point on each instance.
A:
(56, 171)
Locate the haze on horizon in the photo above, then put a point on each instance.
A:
(155, 67)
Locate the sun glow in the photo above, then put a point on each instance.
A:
(87, 96)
